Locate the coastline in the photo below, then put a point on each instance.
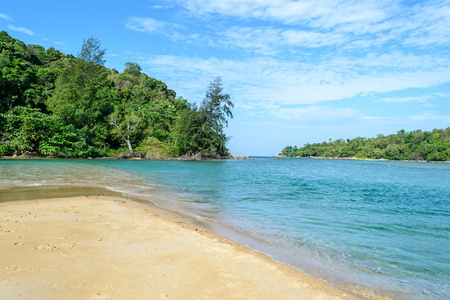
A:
(223, 266)
(361, 159)
(125, 157)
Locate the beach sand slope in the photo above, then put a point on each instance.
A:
(110, 248)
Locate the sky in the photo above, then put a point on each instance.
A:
(298, 72)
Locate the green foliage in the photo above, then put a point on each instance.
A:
(187, 132)
(200, 130)
(415, 145)
(215, 109)
(83, 95)
(27, 73)
(28, 129)
(91, 53)
(153, 147)
(56, 104)
(144, 108)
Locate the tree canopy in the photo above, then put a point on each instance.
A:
(414, 145)
(57, 104)
(201, 129)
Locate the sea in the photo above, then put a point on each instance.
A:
(380, 227)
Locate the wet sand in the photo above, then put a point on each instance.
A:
(105, 247)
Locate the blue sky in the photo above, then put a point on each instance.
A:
(297, 71)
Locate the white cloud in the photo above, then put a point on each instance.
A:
(330, 22)
(146, 24)
(299, 25)
(6, 17)
(293, 82)
(362, 14)
(312, 39)
(423, 24)
(284, 61)
(20, 29)
(421, 99)
(315, 113)
(308, 53)
(160, 6)
(150, 25)
(228, 7)
(270, 40)
(263, 40)
(319, 13)
(431, 116)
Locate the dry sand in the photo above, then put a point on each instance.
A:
(110, 248)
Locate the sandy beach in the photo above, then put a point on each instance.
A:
(101, 247)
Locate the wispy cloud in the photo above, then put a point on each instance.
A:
(427, 24)
(160, 6)
(293, 82)
(289, 59)
(6, 17)
(263, 40)
(364, 23)
(323, 13)
(421, 99)
(312, 24)
(270, 40)
(315, 113)
(20, 29)
(431, 116)
(147, 24)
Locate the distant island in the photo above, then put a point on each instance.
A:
(416, 145)
(56, 104)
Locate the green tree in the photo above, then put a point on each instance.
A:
(91, 53)
(200, 130)
(27, 129)
(83, 95)
(187, 131)
(126, 121)
(415, 145)
(287, 151)
(216, 109)
(88, 108)
(27, 73)
(145, 112)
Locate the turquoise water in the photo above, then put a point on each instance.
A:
(382, 226)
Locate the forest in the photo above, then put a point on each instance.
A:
(56, 104)
(404, 145)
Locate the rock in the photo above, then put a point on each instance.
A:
(29, 154)
(240, 157)
(124, 155)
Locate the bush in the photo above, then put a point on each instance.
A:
(28, 129)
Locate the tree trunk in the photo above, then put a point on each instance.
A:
(128, 140)
(129, 146)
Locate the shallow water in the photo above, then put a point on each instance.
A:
(382, 226)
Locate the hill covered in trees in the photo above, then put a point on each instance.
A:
(56, 104)
(415, 145)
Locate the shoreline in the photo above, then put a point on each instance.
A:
(210, 159)
(159, 158)
(361, 159)
(175, 219)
